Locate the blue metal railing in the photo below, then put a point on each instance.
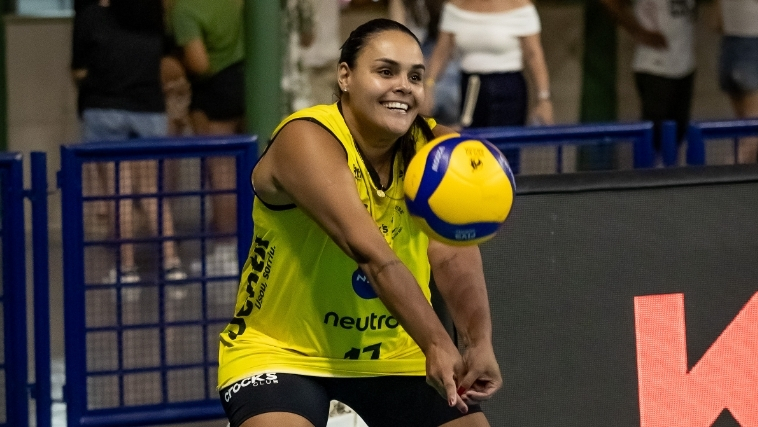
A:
(699, 132)
(121, 410)
(13, 300)
(41, 389)
(641, 134)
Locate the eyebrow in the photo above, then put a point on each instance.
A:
(397, 64)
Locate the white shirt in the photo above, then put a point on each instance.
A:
(675, 19)
(740, 17)
(488, 42)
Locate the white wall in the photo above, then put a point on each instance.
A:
(41, 95)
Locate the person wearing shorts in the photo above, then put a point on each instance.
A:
(210, 35)
(334, 298)
(738, 65)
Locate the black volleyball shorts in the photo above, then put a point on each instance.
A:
(391, 401)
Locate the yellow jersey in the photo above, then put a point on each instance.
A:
(304, 306)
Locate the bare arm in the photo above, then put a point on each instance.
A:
(443, 50)
(196, 57)
(295, 168)
(459, 275)
(534, 58)
(397, 11)
(621, 11)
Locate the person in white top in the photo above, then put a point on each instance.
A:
(495, 39)
(423, 18)
(738, 65)
(664, 59)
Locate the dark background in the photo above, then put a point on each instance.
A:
(563, 272)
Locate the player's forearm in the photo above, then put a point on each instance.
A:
(400, 293)
(460, 280)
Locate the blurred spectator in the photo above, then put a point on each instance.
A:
(300, 34)
(495, 40)
(738, 65)
(320, 58)
(121, 98)
(422, 17)
(210, 35)
(664, 60)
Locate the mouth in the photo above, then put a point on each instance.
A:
(396, 106)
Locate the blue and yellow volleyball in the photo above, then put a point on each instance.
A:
(459, 190)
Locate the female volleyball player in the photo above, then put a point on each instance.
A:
(334, 298)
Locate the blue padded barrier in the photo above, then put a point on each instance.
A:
(519, 137)
(699, 132)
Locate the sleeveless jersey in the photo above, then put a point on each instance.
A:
(304, 306)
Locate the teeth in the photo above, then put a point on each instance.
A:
(398, 105)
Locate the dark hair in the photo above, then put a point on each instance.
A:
(349, 51)
(139, 15)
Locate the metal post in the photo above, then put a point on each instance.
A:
(263, 67)
(695, 145)
(669, 144)
(14, 295)
(41, 277)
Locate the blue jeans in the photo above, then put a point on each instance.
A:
(113, 125)
(738, 64)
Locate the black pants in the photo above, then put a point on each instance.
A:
(664, 98)
(501, 100)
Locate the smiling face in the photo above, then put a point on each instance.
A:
(384, 89)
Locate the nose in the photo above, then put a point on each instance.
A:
(404, 84)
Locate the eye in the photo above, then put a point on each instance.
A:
(385, 72)
(416, 77)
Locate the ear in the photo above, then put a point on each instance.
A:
(343, 76)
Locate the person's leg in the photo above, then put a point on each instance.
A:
(149, 125)
(746, 106)
(223, 176)
(277, 419)
(682, 106)
(738, 77)
(656, 97)
(113, 125)
(473, 420)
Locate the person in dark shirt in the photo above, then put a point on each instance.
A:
(118, 46)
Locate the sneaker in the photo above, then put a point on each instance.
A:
(174, 273)
(127, 276)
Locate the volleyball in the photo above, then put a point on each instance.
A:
(459, 190)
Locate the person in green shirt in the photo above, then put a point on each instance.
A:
(210, 35)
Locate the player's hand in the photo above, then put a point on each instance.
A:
(482, 378)
(444, 366)
(652, 39)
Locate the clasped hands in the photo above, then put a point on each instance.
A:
(463, 379)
